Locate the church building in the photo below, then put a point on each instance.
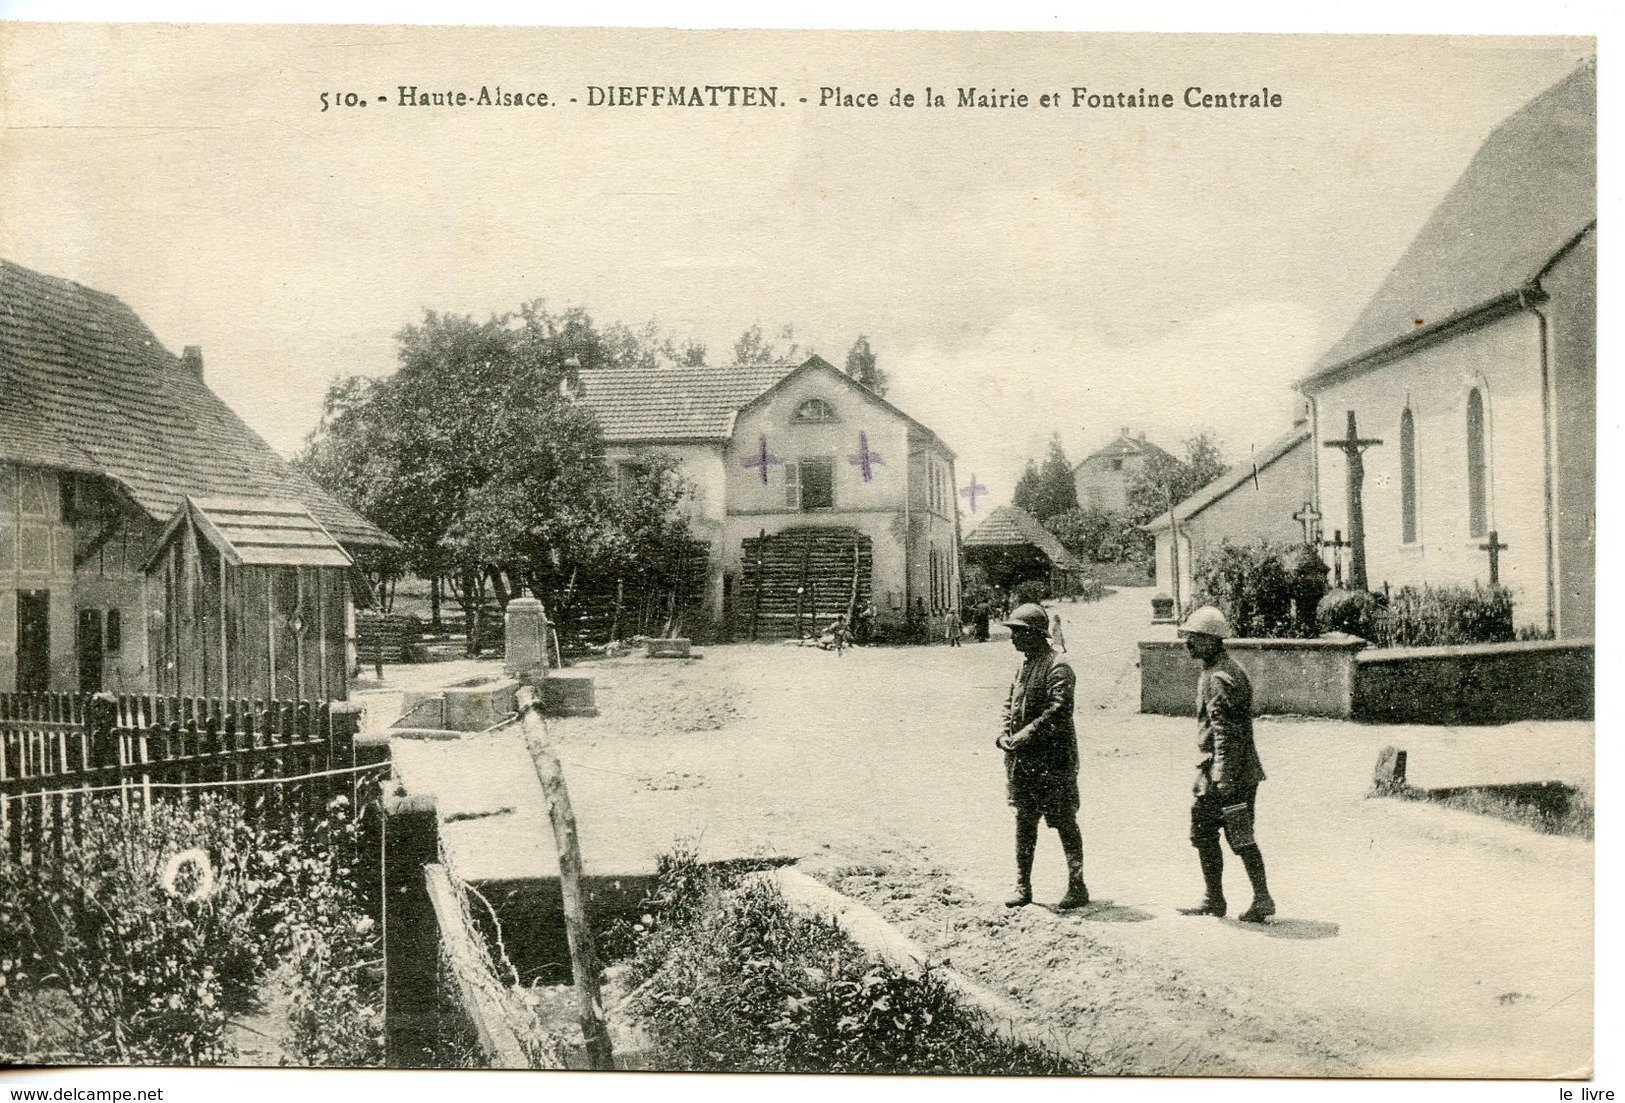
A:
(1455, 422)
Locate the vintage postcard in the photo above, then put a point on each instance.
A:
(798, 551)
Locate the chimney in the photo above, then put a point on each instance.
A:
(192, 360)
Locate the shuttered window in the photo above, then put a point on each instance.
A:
(1477, 466)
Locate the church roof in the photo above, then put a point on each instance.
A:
(1526, 196)
(1009, 526)
(85, 386)
(1233, 479)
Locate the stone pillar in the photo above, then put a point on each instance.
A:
(526, 628)
(411, 932)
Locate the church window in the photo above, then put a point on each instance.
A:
(815, 411)
(1477, 466)
(1407, 476)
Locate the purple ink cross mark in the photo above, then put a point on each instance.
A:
(763, 460)
(865, 459)
(975, 488)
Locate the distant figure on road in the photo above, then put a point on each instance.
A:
(1040, 748)
(1229, 771)
(1055, 636)
(953, 627)
(984, 613)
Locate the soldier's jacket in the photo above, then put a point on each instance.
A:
(1038, 716)
(1224, 722)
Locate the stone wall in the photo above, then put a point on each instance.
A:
(1302, 677)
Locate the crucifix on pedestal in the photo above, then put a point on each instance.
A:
(1353, 448)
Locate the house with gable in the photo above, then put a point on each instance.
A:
(1267, 498)
(150, 542)
(1104, 476)
(1474, 366)
(812, 494)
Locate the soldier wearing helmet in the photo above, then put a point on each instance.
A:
(1040, 748)
(1229, 771)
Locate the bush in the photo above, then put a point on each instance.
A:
(1449, 615)
(1354, 612)
(729, 978)
(1252, 586)
(158, 924)
(1034, 590)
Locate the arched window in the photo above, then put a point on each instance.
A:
(1477, 468)
(1407, 476)
(815, 410)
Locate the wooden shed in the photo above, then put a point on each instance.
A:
(248, 597)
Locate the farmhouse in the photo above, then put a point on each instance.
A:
(150, 542)
(811, 494)
(1269, 497)
(1103, 477)
(1455, 422)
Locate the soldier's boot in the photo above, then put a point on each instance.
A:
(1263, 907)
(1026, 847)
(1077, 893)
(1212, 859)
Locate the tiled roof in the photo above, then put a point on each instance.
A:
(1124, 445)
(1233, 477)
(1529, 191)
(673, 404)
(1008, 526)
(85, 385)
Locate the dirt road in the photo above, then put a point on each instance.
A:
(1411, 940)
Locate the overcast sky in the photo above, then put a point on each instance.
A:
(1018, 272)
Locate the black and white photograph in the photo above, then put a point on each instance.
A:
(883, 552)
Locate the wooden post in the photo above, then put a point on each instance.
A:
(583, 955)
(411, 935)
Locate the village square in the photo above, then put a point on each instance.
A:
(577, 695)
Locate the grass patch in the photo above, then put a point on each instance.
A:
(1551, 808)
(727, 978)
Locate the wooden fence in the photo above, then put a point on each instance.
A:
(59, 751)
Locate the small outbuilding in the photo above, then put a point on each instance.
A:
(1013, 547)
(248, 597)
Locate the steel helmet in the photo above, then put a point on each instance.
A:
(1030, 615)
(1206, 621)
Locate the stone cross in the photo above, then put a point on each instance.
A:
(972, 491)
(1309, 518)
(865, 459)
(1495, 548)
(1353, 448)
(1337, 544)
(763, 460)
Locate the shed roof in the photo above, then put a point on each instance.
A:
(1233, 478)
(1528, 193)
(85, 386)
(258, 532)
(1009, 526)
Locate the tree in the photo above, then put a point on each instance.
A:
(1029, 493)
(1166, 478)
(474, 459)
(1048, 490)
(861, 365)
(753, 347)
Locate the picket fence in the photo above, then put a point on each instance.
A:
(281, 761)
